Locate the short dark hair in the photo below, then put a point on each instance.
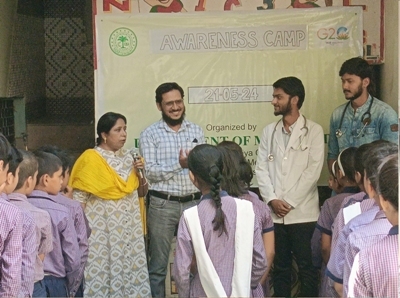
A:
(5, 150)
(106, 122)
(167, 87)
(61, 154)
(359, 67)
(47, 164)
(292, 86)
(15, 161)
(27, 167)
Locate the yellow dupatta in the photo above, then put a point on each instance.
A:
(91, 173)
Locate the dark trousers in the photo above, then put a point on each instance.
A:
(39, 289)
(296, 239)
(56, 286)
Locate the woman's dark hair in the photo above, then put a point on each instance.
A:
(61, 154)
(165, 88)
(15, 160)
(379, 150)
(388, 180)
(5, 150)
(205, 163)
(106, 122)
(346, 161)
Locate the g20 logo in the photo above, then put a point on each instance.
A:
(342, 33)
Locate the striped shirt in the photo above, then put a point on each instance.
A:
(362, 238)
(329, 211)
(160, 147)
(262, 212)
(221, 249)
(79, 220)
(334, 270)
(64, 259)
(375, 271)
(339, 221)
(10, 249)
(331, 208)
(44, 240)
(29, 252)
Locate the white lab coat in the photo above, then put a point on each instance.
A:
(293, 174)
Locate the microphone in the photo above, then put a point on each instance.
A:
(136, 156)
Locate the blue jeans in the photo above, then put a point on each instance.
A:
(56, 286)
(39, 289)
(162, 220)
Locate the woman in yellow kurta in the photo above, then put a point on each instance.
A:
(106, 181)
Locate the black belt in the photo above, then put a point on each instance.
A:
(193, 196)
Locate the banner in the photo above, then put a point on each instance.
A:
(372, 11)
(226, 63)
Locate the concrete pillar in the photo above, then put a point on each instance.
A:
(8, 12)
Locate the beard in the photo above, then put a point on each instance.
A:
(357, 94)
(285, 110)
(173, 122)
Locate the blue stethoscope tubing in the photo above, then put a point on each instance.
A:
(270, 156)
(365, 118)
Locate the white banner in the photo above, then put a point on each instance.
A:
(226, 78)
(227, 39)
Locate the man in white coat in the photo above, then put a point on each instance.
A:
(289, 163)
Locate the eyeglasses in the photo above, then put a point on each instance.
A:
(177, 102)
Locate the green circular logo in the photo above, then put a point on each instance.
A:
(123, 41)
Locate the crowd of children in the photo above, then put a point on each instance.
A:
(43, 233)
(353, 222)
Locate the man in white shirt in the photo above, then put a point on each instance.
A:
(289, 163)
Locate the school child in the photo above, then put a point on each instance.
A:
(237, 175)
(366, 213)
(10, 232)
(221, 233)
(62, 264)
(375, 271)
(345, 175)
(344, 172)
(28, 170)
(339, 222)
(28, 228)
(76, 212)
(336, 188)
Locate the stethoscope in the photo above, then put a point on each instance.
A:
(365, 119)
(271, 156)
